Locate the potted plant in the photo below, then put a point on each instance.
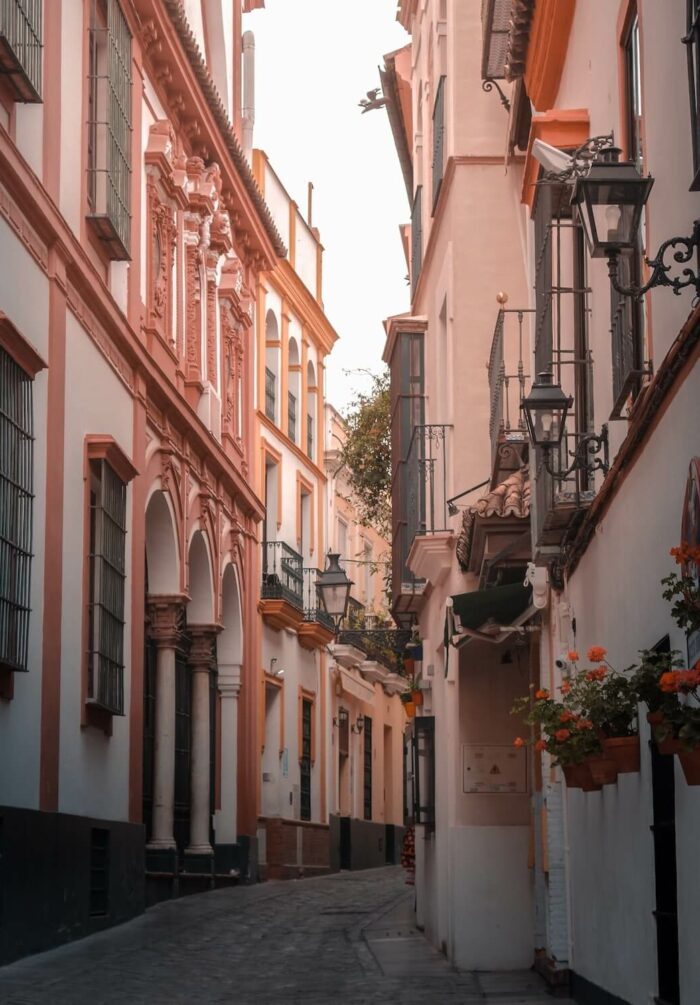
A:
(608, 699)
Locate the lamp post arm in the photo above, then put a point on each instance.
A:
(583, 456)
(683, 249)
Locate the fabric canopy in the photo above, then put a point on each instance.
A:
(500, 605)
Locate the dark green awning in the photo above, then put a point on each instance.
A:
(501, 605)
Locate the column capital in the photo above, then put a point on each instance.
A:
(202, 654)
(166, 616)
(229, 680)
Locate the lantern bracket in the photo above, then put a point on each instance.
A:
(584, 457)
(660, 270)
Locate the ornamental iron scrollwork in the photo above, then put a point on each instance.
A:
(581, 159)
(584, 456)
(660, 270)
(488, 84)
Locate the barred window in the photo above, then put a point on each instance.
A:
(367, 770)
(106, 596)
(292, 416)
(109, 127)
(270, 394)
(20, 47)
(16, 500)
(438, 141)
(305, 760)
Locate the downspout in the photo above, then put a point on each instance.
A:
(248, 109)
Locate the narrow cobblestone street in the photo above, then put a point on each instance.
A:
(347, 937)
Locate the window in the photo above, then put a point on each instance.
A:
(305, 760)
(106, 596)
(438, 141)
(627, 314)
(692, 41)
(291, 416)
(270, 393)
(416, 238)
(16, 500)
(20, 47)
(367, 773)
(109, 128)
(424, 770)
(310, 436)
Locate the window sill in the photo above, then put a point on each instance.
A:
(97, 717)
(7, 683)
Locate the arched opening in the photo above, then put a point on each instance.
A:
(294, 392)
(200, 610)
(272, 367)
(312, 399)
(229, 644)
(162, 565)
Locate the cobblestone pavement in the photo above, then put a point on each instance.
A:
(342, 938)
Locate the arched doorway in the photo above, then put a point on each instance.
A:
(229, 660)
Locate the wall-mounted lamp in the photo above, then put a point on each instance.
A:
(545, 410)
(333, 590)
(359, 724)
(341, 718)
(610, 200)
(272, 672)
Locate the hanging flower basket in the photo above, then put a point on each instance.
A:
(578, 776)
(603, 769)
(417, 698)
(410, 709)
(624, 751)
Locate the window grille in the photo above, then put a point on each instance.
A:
(310, 436)
(438, 141)
(16, 503)
(416, 238)
(20, 47)
(368, 768)
(692, 42)
(270, 393)
(291, 416)
(305, 761)
(109, 128)
(107, 575)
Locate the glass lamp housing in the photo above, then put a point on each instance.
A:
(546, 408)
(333, 589)
(610, 200)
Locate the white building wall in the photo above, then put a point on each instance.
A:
(73, 76)
(93, 778)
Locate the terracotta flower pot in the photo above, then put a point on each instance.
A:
(624, 751)
(690, 762)
(410, 709)
(417, 698)
(603, 769)
(578, 776)
(666, 743)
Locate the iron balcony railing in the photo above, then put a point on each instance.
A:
(374, 636)
(20, 47)
(270, 393)
(507, 379)
(312, 605)
(282, 575)
(427, 480)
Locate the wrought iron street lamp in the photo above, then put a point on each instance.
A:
(546, 408)
(333, 589)
(610, 200)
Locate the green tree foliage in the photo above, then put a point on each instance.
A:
(367, 453)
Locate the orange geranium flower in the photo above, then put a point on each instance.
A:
(572, 656)
(597, 654)
(598, 674)
(584, 724)
(562, 734)
(567, 716)
(518, 742)
(541, 745)
(565, 688)
(542, 694)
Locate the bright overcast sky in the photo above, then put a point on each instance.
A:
(315, 60)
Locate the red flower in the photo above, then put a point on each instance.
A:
(542, 695)
(541, 745)
(567, 716)
(598, 674)
(565, 688)
(562, 734)
(669, 681)
(584, 724)
(518, 742)
(597, 654)
(572, 656)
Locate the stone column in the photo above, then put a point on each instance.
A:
(226, 817)
(165, 613)
(202, 662)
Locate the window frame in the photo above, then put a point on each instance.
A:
(101, 451)
(438, 141)
(23, 76)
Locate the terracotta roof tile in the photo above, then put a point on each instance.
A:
(509, 499)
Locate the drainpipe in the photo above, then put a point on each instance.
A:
(248, 109)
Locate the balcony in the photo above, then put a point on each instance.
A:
(508, 385)
(430, 534)
(282, 589)
(317, 630)
(373, 636)
(20, 48)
